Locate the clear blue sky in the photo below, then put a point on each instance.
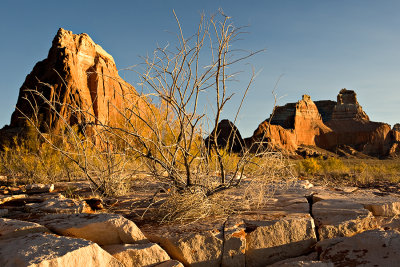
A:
(318, 46)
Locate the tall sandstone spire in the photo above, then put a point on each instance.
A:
(77, 74)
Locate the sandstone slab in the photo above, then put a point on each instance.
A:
(102, 228)
(59, 204)
(341, 217)
(370, 248)
(270, 239)
(137, 255)
(193, 245)
(40, 249)
(234, 243)
(13, 228)
(39, 188)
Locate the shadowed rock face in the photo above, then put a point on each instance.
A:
(227, 134)
(79, 73)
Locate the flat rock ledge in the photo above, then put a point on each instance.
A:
(307, 226)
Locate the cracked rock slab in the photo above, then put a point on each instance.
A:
(102, 228)
(234, 243)
(59, 204)
(195, 245)
(137, 255)
(340, 217)
(269, 239)
(13, 228)
(370, 248)
(43, 250)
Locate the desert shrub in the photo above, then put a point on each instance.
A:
(33, 161)
(310, 165)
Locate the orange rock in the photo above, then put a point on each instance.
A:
(78, 73)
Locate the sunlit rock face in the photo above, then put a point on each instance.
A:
(326, 124)
(77, 73)
(292, 125)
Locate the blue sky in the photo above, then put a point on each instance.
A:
(317, 46)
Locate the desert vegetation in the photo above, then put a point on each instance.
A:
(351, 172)
(159, 135)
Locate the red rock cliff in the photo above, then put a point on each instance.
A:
(77, 73)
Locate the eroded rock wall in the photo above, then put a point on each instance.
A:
(77, 74)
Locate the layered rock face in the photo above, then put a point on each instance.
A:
(328, 125)
(77, 74)
(292, 125)
(351, 126)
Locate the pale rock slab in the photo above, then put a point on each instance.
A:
(59, 204)
(13, 228)
(370, 248)
(273, 238)
(339, 217)
(234, 243)
(198, 245)
(102, 228)
(137, 255)
(43, 250)
(388, 209)
(39, 188)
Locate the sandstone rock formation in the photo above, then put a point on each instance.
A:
(292, 125)
(328, 125)
(80, 79)
(227, 134)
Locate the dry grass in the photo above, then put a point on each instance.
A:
(358, 172)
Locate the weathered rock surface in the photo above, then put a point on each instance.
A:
(138, 254)
(7, 198)
(300, 123)
(327, 125)
(269, 240)
(347, 107)
(14, 228)
(226, 134)
(40, 249)
(370, 248)
(234, 249)
(193, 245)
(59, 204)
(103, 228)
(39, 188)
(77, 72)
(340, 217)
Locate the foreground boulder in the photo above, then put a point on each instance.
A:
(103, 228)
(338, 217)
(40, 249)
(138, 254)
(370, 248)
(193, 245)
(14, 228)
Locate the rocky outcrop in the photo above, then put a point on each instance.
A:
(292, 125)
(227, 136)
(79, 79)
(328, 125)
(347, 107)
